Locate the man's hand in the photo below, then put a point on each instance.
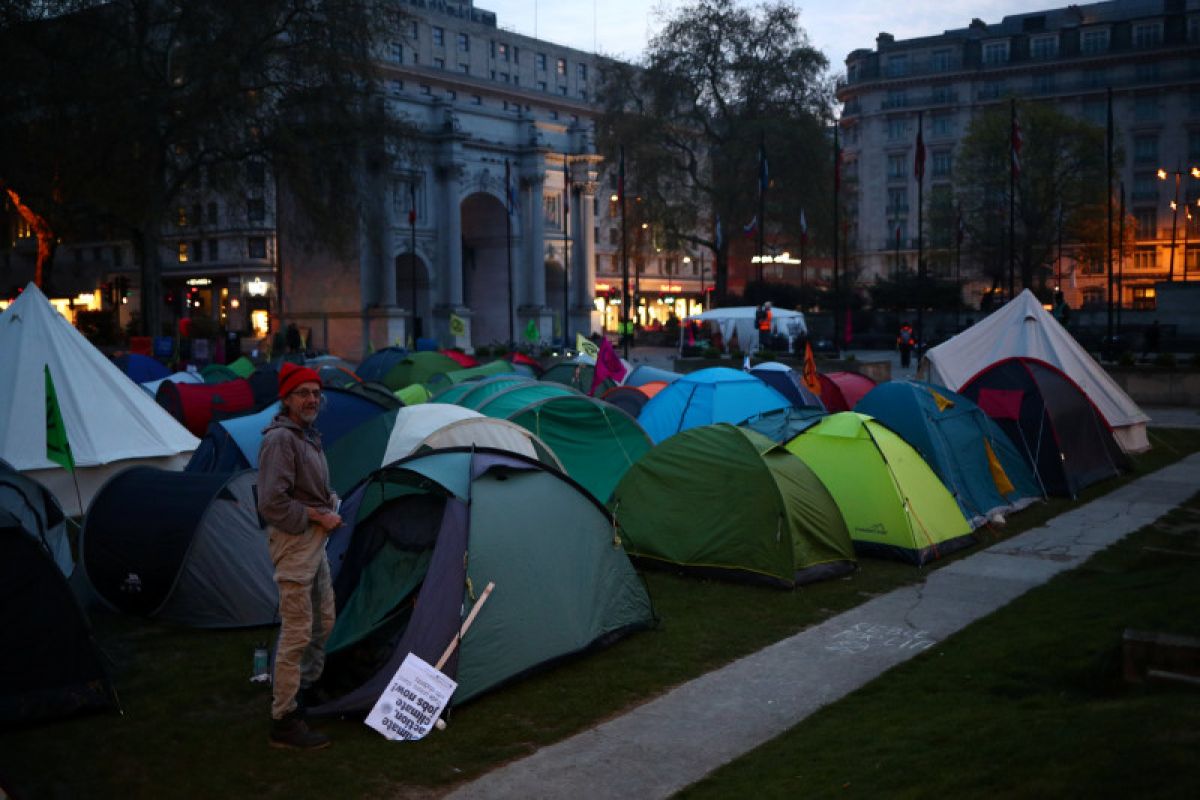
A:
(326, 519)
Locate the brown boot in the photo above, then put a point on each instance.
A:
(290, 731)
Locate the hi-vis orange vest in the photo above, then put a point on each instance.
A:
(764, 322)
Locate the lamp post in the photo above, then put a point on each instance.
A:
(1162, 176)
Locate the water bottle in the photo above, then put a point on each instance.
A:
(260, 672)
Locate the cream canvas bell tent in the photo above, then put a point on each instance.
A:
(111, 422)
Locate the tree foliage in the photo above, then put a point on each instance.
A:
(718, 80)
(1062, 168)
(116, 113)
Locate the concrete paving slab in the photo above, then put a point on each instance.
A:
(675, 740)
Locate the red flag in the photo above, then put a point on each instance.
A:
(811, 381)
(919, 159)
(1016, 146)
(608, 365)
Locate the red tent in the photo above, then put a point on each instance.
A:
(521, 358)
(840, 391)
(464, 360)
(194, 404)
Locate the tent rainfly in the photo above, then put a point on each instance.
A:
(707, 396)
(739, 320)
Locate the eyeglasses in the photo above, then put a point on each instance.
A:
(304, 394)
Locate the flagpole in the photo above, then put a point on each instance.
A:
(625, 299)
(920, 163)
(1121, 258)
(958, 272)
(566, 251)
(512, 330)
(1012, 199)
(762, 198)
(837, 186)
(1108, 187)
(412, 247)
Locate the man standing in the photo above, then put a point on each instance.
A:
(300, 508)
(762, 321)
(905, 342)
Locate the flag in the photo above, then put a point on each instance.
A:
(621, 177)
(764, 173)
(719, 235)
(412, 202)
(510, 194)
(458, 326)
(585, 345)
(803, 227)
(608, 365)
(58, 449)
(1016, 144)
(566, 188)
(531, 332)
(919, 158)
(811, 381)
(751, 227)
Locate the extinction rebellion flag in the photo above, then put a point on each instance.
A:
(58, 449)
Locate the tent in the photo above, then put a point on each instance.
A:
(1052, 422)
(195, 405)
(418, 368)
(242, 367)
(109, 420)
(175, 377)
(968, 451)
(740, 320)
(488, 370)
(715, 394)
(426, 535)
(183, 547)
(140, 368)
(1023, 328)
(439, 425)
(673, 506)
(219, 373)
(471, 393)
(51, 665)
(893, 503)
(643, 374)
(631, 399)
(596, 442)
(788, 383)
(523, 364)
(39, 514)
(783, 425)
(841, 390)
(379, 363)
(337, 376)
(230, 445)
(465, 361)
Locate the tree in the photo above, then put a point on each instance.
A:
(117, 113)
(718, 80)
(1062, 166)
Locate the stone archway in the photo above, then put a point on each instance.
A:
(554, 293)
(485, 269)
(409, 267)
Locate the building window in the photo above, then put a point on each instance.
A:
(118, 257)
(465, 69)
(942, 94)
(451, 94)
(540, 62)
(1145, 107)
(995, 53)
(464, 43)
(896, 98)
(516, 55)
(992, 90)
(439, 36)
(476, 100)
(1043, 83)
(397, 52)
(1148, 72)
(1144, 298)
(560, 67)
(212, 213)
(396, 87)
(562, 90)
(1043, 47)
(897, 129)
(500, 51)
(214, 249)
(256, 173)
(439, 63)
(516, 79)
(256, 247)
(897, 66)
(1146, 219)
(1095, 111)
(413, 30)
(1145, 187)
(1144, 258)
(256, 209)
(197, 250)
(583, 95)
(1095, 78)
(1194, 146)
(426, 90)
(581, 71)
(1147, 34)
(943, 125)
(1093, 296)
(1145, 149)
(183, 252)
(181, 217)
(943, 163)
(939, 61)
(897, 204)
(541, 85)
(897, 166)
(1094, 41)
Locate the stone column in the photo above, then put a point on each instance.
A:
(386, 258)
(450, 241)
(534, 283)
(584, 279)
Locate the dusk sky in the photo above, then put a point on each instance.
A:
(622, 27)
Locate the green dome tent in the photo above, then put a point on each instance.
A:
(455, 377)
(595, 441)
(674, 506)
(423, 538)
(471, 393)
(418, 367)
(893, 503)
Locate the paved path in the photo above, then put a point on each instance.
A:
(675, 740)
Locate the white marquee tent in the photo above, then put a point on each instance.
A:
(1023, 327)
(740, 319)
(111, 422)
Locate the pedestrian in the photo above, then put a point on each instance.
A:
(300, 508)
(762, 323)
(295, 343)
(1150, 339)
(905, 342)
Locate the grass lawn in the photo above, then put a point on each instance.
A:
(193, 725)
(1028, 702)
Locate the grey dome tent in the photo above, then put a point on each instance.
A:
(426, 534)
(37, 510)
(187, 547)
(51, 666)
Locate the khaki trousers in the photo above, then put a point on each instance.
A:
(306, 612)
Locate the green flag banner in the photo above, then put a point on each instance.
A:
(458, 325)
(586, 346)
(531, 332)
(58, 449)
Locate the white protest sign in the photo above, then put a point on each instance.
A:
(412, 702)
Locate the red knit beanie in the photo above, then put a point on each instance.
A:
(292, 375)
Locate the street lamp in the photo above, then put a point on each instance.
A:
(1162, 176)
